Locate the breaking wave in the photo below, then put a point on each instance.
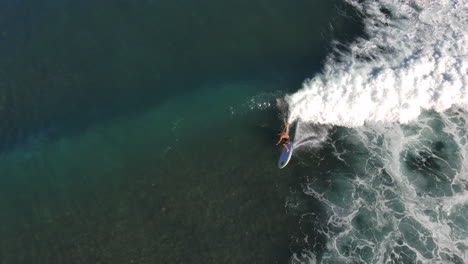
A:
(415, 58)
(391, 110)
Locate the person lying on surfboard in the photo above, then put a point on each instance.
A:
(284, 137)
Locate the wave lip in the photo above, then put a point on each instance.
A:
(416, 57)
(400, 195)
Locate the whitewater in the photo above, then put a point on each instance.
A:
(392, 108)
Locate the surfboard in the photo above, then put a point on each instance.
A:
(285, 156)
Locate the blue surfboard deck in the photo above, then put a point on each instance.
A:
(285, 156)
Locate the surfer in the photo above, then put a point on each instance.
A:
(284, 137)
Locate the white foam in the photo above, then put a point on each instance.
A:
(416, 59)
(306, 257)
(439, 233)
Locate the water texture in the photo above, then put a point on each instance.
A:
(144, 131)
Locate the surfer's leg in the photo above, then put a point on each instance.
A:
(286, 147)
(279, 141)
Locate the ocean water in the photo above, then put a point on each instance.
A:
(383, 134)
(144, 131)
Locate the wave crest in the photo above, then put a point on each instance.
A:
(415, 58)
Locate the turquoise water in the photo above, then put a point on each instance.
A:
(143, 132)
(87, 61)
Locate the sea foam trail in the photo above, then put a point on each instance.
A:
(409, 193)
(415, 58)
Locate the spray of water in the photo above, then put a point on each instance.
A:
(415, 58)
(412, 69)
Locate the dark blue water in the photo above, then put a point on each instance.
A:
(144, 131)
